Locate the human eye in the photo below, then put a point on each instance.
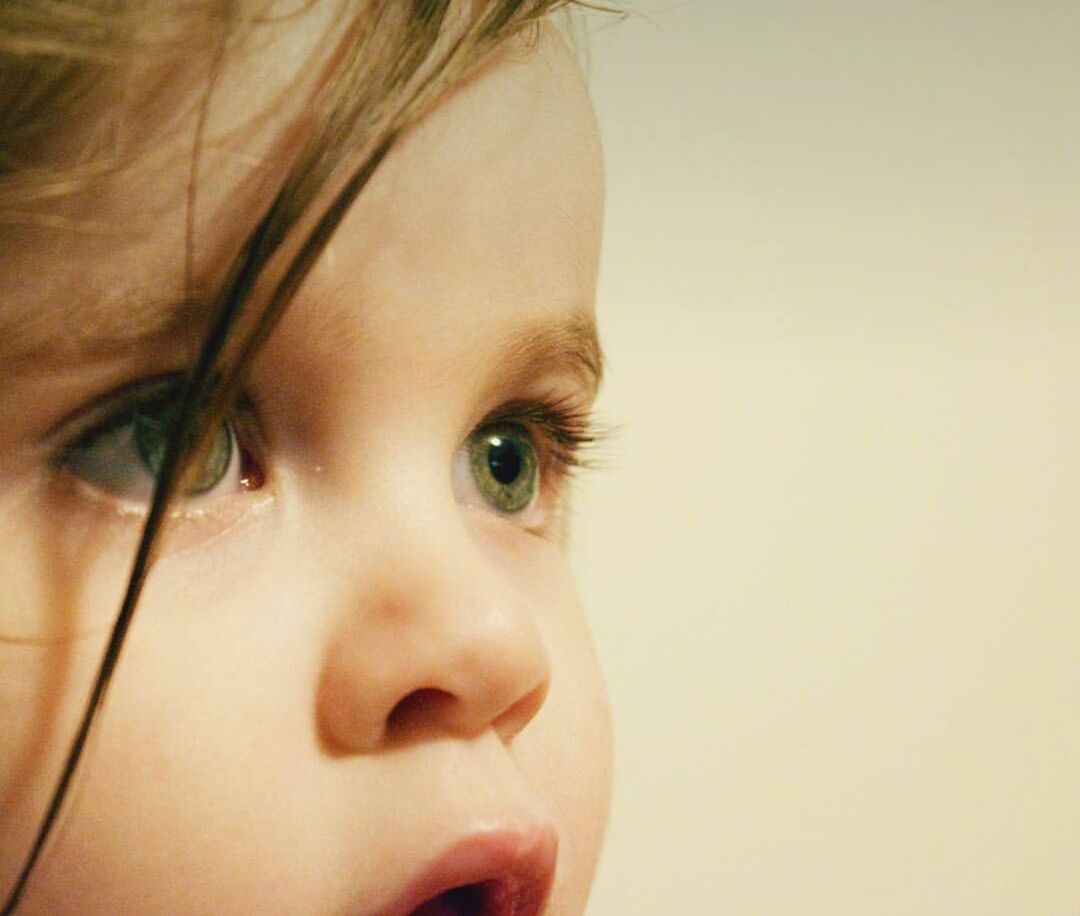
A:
(120, 447)
(504, 466)
(516, 462)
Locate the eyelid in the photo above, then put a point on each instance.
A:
(121, 405)
(91, 416)
(561, 427)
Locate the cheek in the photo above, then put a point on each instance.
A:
(207, 788)
(567, 755)
(67, 557)
(170, 775)
(59, 589)
(42, 691)
(196, 788)
(63, 572)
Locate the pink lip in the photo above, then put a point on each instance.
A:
(494, 873)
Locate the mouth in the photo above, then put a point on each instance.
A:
(488, 874)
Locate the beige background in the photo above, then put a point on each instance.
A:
(833, 571)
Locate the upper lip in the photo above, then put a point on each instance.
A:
(507, 872)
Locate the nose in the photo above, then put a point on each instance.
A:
(433, 638)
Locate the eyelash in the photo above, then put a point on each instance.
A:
(566, 430)
(562, 429)
(122, 406)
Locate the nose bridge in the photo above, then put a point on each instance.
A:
(432, 638)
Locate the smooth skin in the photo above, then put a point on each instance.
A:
(341, 670)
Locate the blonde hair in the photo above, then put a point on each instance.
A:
(59, 59)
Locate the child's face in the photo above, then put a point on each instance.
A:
(359, 673)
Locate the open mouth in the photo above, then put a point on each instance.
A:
(458, 901)
(491, 874)
(485, 898)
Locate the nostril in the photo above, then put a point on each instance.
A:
(521, 713)
(420, 711)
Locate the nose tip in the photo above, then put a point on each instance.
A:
(455, 658)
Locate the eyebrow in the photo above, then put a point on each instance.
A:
(93, 329)
(567, 343)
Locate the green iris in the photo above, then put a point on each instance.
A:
(505, 466)
(124, 454)
(150, 434)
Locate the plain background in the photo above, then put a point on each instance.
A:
(833, 568)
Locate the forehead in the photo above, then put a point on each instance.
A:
(510, 161)
(502, 181)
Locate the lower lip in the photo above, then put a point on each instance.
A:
(511, 872)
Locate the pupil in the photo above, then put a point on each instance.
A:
(504, 460)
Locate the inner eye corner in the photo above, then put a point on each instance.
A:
(253, 473)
